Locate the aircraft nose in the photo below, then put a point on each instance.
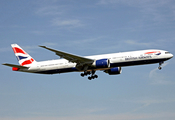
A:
(171, 55)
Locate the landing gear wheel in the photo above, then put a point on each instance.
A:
(159, 68)
(89, 78)
(95, 76)
(92, 73)
(82, 74)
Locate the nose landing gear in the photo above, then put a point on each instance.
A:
(160, 63)
(159, 68)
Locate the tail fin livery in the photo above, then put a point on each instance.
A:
(23, 58)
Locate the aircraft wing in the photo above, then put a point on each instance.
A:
(71, 57)
(12, 65)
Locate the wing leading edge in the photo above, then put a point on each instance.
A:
(81, 61)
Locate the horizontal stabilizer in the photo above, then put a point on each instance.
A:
(16, 66)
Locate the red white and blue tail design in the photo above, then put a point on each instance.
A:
(24, 59)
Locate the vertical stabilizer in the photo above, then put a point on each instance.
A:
(24, 59)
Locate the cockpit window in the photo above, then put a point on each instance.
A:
(167, 53)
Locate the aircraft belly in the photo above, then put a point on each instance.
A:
(57, 69)
(138, 62)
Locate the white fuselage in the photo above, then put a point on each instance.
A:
(120, 59)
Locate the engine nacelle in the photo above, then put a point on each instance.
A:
(102, 63)
(114, 71)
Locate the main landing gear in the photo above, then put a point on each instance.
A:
(92, 73)
(160, 63)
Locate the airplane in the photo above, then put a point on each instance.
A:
(88, 65)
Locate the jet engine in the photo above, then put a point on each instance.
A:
(102, 63)
(114, 71)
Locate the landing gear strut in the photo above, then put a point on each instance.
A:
(160, 63)
(92, 73)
